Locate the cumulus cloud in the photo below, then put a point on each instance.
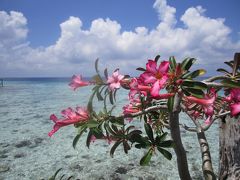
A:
(76, 49)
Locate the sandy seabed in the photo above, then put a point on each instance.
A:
(26, 152)
(36, 156)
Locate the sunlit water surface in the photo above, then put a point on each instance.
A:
(26, 151)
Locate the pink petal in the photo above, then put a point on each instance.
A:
(55, 129)
(110, 80)
(208, 120)
(235, 109)
(163, 81)
(151, 66)
(93, 139)
(235, 94)
(200, 101)
(163, 67)
(77, 82)
(148, 77)
(155, 89)
(163, 96)
(54, 118)
(209, 110)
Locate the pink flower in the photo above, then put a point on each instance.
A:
(77, 82)
(130, 108)
(114, 80)
(234, 100)
(204, 105)
(136, 87)
(235, 94)
(69, 117)
(157, 77)
(93, 139)
(208, 120)
(235, 109)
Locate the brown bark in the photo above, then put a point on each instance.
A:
(176, 137)
(206, 157)
(229, 134)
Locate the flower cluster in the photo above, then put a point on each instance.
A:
(70, 116)
(160, 90)
(234, 101)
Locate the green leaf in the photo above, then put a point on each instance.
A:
(106, 73)
(92, 124)
(140, 69)
(114, 127)
(195, 74)
(224, 71)
(165, 153)
(170, 103)
(161, 138)
(149, 132)
(97, 132)
(187, 63)
(62, 177)
(146, 158)
(77, 137)
(89, 138)
(99, 96)
(186, 92)
(195, 92)
(98, 79)
(230, 83)
(129, 128)
(55, 175)
(70, 178)
(109, 129)
(194, 84)
(126, 147)
(96, 65)
(157, 58)
(166, 144)
(229, 63)
(136, 137)
(90, 101)
(135, 132)
(111, 97)
(173, 63)
(114, 147)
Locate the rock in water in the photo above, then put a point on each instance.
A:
(4, 168)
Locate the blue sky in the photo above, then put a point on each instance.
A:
(60, 38)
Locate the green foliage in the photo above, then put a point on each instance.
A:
(230, 83)
(187, 63)
(170, 103)
(173, 63)
(61, 178)
(194, 74)
(146, 158)
(157, 58)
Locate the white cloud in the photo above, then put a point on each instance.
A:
(76, 49)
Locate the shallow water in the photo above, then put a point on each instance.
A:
(26, 152)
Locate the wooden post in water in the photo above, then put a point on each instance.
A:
(1, 82)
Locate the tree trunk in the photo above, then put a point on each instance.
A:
(229, 134)
(176, 137)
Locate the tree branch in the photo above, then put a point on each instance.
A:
(145, 111)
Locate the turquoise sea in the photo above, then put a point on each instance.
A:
(26, 151)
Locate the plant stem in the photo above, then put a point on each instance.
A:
(206, 157)
(176, 137)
